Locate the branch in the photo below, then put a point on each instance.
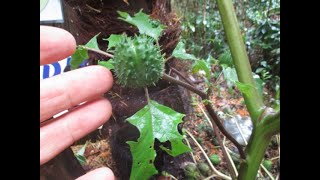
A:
(182, 76)
(210, 110)
(185, 85)
(98, 51)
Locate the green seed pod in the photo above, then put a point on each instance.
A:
(204, 169)
(215, 159)
(138, 62)
(191, 172)
(267, 164)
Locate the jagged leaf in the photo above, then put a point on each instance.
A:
(154, 121)
(81, 53)
(78, 57)
(107, 64)
(144, 23)
(113, 40)
(180, 52)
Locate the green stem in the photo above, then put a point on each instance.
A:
(97, 51)
(271, 124)
(239, 55)
(258, 144)
(255, 152)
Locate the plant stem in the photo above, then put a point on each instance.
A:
(210, 110)
(239, 55)
(98, 51)
(255, 152)
(147, 94)
(185, 85)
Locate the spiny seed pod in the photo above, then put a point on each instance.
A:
(138, 62)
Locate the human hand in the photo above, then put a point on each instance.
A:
(65, 91)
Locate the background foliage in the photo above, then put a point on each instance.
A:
(260, 24)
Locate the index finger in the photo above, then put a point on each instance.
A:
(55, 44)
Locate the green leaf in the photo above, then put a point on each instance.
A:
(93, 43)
(154, 121)
(80, 154)
(78, 57)
(144, 23)
(230, 75)
(202, 65)
(82, 160)
(114, 39)
(180, 52)
(107, 64)
(81, 54)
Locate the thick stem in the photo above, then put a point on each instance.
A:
(239, 55)
(255, 152)
(258, 144)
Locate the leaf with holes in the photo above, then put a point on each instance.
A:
(81, 53)
(144, 23)
(154, 121)
(180, 52)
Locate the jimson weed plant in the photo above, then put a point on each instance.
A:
(138, 62)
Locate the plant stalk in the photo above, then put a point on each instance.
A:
(253, 99)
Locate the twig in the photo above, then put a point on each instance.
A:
(274, 158)
(97, 51)
(207, 178)
(207, 158)
(205, 114)
(265, 170)
(229, 156)
(185, 85)
(193, 158)
(233, 172)
(210, 110)
(169, 58)
(96, 10)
